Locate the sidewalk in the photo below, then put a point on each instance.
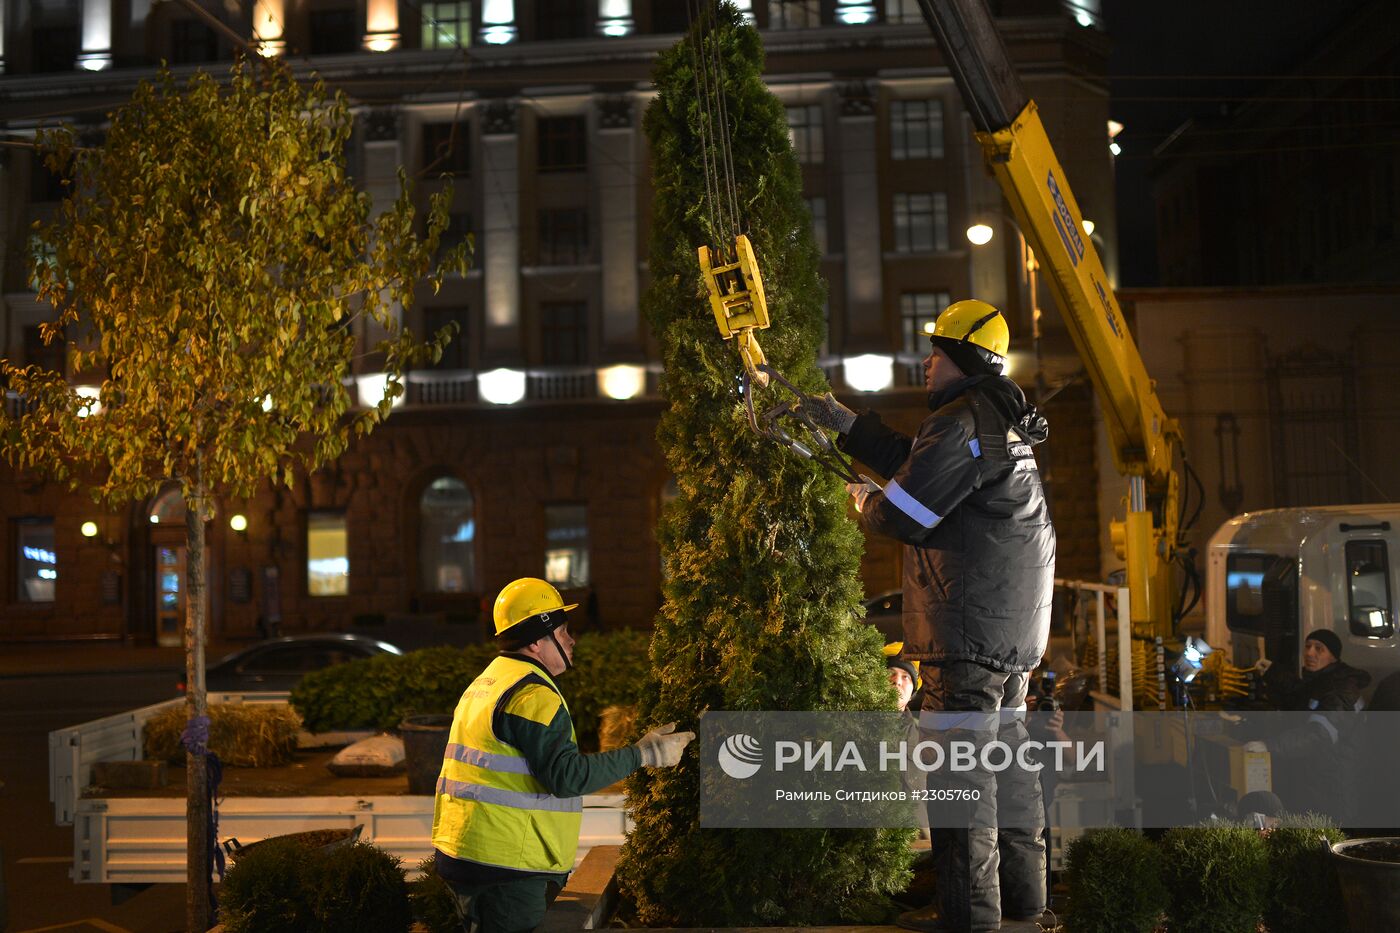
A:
(48, 659)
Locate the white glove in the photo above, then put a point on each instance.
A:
(829, 413)
(1256, 747)
(662, 746)
(862, 492)
(1262, 665)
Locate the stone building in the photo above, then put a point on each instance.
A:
(529, 449)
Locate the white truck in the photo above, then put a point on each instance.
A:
(141, 839)
(1275, 575)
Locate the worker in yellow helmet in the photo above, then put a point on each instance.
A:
(510, 793)
(964, 496)
(904, 673)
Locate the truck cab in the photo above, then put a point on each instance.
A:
(1275, 575)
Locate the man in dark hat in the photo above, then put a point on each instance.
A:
(1308, 766)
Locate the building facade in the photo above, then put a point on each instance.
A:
(529, 449)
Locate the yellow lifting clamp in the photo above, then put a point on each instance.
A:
(738, 302)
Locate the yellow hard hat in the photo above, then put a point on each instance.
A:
(893, 659)
(528, 607)
(970, 331)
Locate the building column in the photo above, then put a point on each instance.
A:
(379, 178)
(268, 17)
(500, 227)
(96, 52)
(860, 208)
(614, 180)
(381, 25)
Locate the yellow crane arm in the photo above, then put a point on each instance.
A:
(1018, 153)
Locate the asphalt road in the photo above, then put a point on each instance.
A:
(38, 854)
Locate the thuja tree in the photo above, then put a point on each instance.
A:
(761, 591)
(210, 262)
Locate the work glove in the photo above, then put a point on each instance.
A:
(662, 746)
(861, 492)
(1262, 666)
(828, 413)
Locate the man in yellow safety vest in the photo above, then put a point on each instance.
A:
(510, 793)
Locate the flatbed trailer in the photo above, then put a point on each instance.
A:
(136, 837)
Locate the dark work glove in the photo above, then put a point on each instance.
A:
(828, 413)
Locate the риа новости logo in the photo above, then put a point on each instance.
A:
(740, 756)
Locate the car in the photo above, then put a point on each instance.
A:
(886, 613)
(280, 663)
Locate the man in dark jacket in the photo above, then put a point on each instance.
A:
(1309, 770)
(965, 497)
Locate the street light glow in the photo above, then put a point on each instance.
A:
(89, 529)
(872, 372)
(979, 234)
(622, 382)
(1088, 226)
(502, 386)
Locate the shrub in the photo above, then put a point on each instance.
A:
(432, 900)
(378, 692)
(1303, 891)
(281, 886)
(610, 669)
(243, 735)
(1216, 878)
(1115, 883)
(361, 889)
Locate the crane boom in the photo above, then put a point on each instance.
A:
(1018, 152)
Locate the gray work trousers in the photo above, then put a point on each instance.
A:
(989, 854)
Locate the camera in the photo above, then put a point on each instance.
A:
(1045, 700)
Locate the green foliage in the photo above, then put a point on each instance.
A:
(433, 902)
(1303, 891)
(281, 886)
(1216, 878)
(1115, 883)
(761, 559)
(610, 669)
(378, 692)
(253, 735)
(198, 287)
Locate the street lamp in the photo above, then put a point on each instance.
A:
(980, 234)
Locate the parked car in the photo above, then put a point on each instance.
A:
(886, 613)
(279, 663)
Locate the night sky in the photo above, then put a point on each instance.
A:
(1190, 58)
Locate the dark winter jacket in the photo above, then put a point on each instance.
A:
(964, 495)
(1314, 755)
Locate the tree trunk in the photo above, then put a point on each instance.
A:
(197, 859)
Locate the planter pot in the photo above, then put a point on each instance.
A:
(424, 743)
(1369, 872)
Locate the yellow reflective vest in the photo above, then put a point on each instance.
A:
(490, 809)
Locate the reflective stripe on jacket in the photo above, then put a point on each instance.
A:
(490, 808)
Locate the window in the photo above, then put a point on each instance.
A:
(38, 563)
(50, 356)
(459, 227)
(566, 545)
(920, 222)
(334, 32)
(447, 148)
(794, 14)
(917, 309)
(916, 129)
(818, 208)
(1368, 589)
(168, 508)
(563, 333)
(55, 48)
(447, 25)
(191, 41)
(454, 355)
(327, 554)
(805, 131)
(447, 537)
(561, 19)
(563, 236)
(563, 144)
(903, 12)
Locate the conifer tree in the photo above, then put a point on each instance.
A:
(761, 590)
